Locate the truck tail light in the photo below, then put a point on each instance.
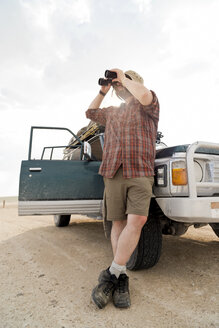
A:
(161, 176)
(179, 173)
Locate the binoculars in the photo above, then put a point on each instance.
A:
(109, 76)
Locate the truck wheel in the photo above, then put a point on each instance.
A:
(215, 228)
(148, 250)
(61, 220)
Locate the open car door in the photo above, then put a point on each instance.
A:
(60, 186)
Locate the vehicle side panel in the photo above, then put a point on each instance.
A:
(60, 180)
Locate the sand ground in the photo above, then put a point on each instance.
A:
(47, 274)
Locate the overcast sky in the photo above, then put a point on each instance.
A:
(53, 52)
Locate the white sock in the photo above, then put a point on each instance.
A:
(117, 269)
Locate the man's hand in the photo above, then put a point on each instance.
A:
(120, 75)
(99, 98)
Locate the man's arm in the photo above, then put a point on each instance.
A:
(138, 90)
(99, 98)
(97, 101)
(94, 113)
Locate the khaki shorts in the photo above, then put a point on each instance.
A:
(124, 196)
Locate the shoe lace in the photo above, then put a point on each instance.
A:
(108, 288)
(122, 285)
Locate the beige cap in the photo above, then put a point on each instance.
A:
(135, 76)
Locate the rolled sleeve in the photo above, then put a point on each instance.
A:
(98, 115)
(154, 108)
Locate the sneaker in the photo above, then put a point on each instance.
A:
(121, 297)
(102, 293)
(104, 275)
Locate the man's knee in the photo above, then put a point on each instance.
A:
(137, 221)
(119, 224)
(143, 220)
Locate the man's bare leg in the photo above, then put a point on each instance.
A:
(128, 238)
(117, 228)
(124, 238)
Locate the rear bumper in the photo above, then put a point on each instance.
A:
(191, 210)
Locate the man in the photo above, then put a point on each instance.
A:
(128, 169)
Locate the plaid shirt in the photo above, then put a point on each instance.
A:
(130, 137)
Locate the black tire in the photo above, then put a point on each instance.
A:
(148, 251)
(61, 220)
(215, 228)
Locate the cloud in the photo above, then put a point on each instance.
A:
(190, 68)
(56, 47)
(9, 98)
(189, 37)
(144, 6)
(15, 36)
(43, 12)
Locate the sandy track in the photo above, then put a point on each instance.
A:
(47, 275)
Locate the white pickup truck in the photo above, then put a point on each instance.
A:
(186, 188)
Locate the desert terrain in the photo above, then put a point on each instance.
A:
(47, 275)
